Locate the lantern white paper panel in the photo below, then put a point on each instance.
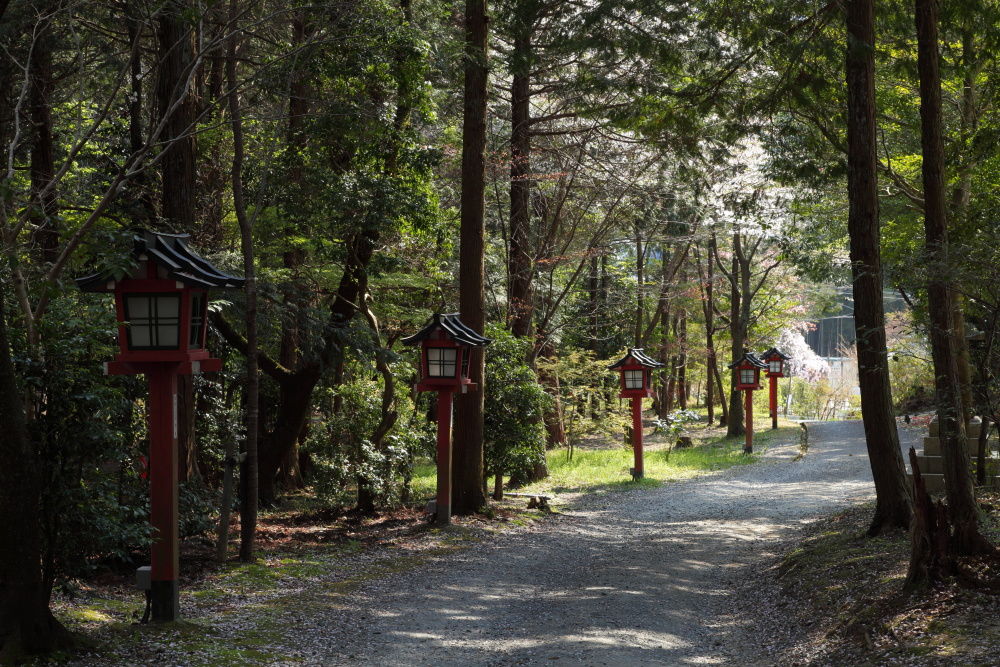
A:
(441, 362)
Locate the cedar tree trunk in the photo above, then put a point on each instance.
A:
(893, 504)
(467, 458)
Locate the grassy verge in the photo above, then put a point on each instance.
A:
(606, 467)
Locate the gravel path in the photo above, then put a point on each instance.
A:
(634, 578)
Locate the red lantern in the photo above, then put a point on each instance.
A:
(748, 368)
(162, 308)
(635, 368)
(775, 361)
(445, 346)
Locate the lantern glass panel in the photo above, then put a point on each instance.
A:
(634, 379)
(775, 365)
(441, 362)
(465, 362)
(748, 376)
(197, 320)
(154, 321)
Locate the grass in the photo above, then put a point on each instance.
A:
(604, 466)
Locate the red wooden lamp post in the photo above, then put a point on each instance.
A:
(775, 361)
(635, 367)
(445, 346)
(748, 368)
(162, 309)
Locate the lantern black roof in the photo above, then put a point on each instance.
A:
(450, 323)
(639, 356)
(749, 357)
(170, 253)
(773, 352)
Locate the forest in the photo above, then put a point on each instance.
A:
(694, 179)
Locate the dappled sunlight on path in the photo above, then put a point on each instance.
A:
(641, 577)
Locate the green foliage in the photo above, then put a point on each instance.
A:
(673, 424)
(88, 436)
(911, 373)
(586, 388)
(513, 430)
(340, 445)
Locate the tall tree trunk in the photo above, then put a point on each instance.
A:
(44, 209)
(640, 305)
(682, 361)
(26, 624)
(962, 508)
(738, 331)
(140, 204)
(177, 106)
(521, 260)
(248, 504)
(467, 464)
(595, 306)
(893, 504)
(708, 310)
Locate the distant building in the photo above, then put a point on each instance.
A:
(830, 336)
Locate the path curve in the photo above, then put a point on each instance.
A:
(628, 579)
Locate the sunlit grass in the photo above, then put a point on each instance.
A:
(596, 469)
(608, 469)
(424, 482)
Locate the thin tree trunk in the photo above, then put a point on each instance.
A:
(738, 332)
(142, 209)
(640, 305)
(45, 209)
(595, 305)
(467, 462)
(963, 510)
(682, 361)
(893, 504)
(708, 310)
(248, 506)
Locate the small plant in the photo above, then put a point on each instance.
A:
(673, 426)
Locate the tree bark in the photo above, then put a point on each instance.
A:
(708, 309)
(521, 260)
(738, 331)
(640, 305)
(963, 510)
(140, 203)
(893, 505)
(595, 305)
(177, 105)
(248, 504)
(45, 209)
(467, 463)
(682, 360)
(26, 624)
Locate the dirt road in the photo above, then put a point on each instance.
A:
(639, 578)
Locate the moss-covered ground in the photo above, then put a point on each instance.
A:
(837, 598)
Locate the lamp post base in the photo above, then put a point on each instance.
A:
(165, 601)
